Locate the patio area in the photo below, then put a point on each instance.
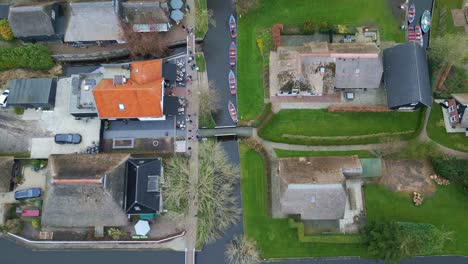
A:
(163, 225)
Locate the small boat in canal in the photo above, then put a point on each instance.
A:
(411, 13)
(232, 112)
(426, 21)
(411, 33)
(232, 26)
(419, 38)
(232, 82)
(232, 54)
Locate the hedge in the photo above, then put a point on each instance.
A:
(332, 238)
(33, 56)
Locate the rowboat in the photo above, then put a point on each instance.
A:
(232, 82)
(232, 54)
(411, 33)
(411, 13)
(426, 21)
(232, 26)
(232, 112)
(419, 38)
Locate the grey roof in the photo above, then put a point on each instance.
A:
(4, 10)
(464, 120)
(406, 75)
(85, 205)
(31, 91)
(6, 169)
(144, 16)
(314, 201)
(93, 21)
(32, 20)
(358, 72)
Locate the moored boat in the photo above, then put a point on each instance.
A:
(232, 26)
(232, 112)
(232, 54)
(419, 38)
(411, 13)
(426, 21)
(232, 82)
(411, 33)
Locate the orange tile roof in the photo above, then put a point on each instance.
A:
(137, 100)
(146, 71)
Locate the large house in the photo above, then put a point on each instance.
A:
(406, 77)
(94, 191)
(324, 191)
(37, 22)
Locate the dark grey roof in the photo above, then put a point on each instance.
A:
(85, 205)
(4, 9)
(171, 105)
(146, 13)
(358, 72)
(169, 72)
(32, 20)
(143, 191)
(406, 75)
(31, 91)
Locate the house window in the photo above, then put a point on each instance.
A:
(357, 71)
(121, 107)
(453, 118)
(52, 14)
(451, 109)
(413, 104)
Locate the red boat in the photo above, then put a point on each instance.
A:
(411, 33)
(232, 54)
(232, 112)
(232, 82)
(232, 26)
(418, 33)
(411, 13)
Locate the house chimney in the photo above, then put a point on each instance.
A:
(77, 181)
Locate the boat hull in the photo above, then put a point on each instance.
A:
(232, 27)
(232, 112)
(232, 82)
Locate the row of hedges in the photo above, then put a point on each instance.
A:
(33, 56)
(332, 238)
(310, 27)
(455, 170)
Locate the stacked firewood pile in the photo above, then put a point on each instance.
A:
(417, 198)
(439, 180)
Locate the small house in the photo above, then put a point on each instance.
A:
(32, 93)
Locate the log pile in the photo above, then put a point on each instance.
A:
(439, 180)
(417, 198)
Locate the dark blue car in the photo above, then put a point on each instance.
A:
(28, 194)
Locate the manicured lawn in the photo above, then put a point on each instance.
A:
(436, 131)
(320, 127)
(447, 209)
(282, 153)
(274, 237)
(356, 12)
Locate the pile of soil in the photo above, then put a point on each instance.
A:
(6, 76)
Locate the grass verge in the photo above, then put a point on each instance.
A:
(436, 131)
(200, 60)
(320, 127)
(282, 153)
(274, 237)
(200, 31)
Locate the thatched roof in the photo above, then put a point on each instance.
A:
(32, 20)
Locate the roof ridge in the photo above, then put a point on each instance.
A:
(417, 71)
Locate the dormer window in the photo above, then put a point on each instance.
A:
(451, 109)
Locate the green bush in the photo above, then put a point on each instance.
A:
(18, 110)
(33, 56)
(36, 223)
(292, 29)
(116, 233)
(325, 27)
(13, 226)
(452, 169)
(332, 238)
(309, 27)
(5, 30)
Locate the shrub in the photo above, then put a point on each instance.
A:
(36, 223)
(244, 6)
(18, 110)
(309, 27)
(325, 27)
(332, 238)
(452, 169)
(13, 226)
(116, 233)
(5, 30)
(33, 56)
(242, 250)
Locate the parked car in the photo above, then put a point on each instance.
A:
(28, 194)
(68, 138)
(4, 98)
(31, 212)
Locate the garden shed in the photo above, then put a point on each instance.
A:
(32, 93)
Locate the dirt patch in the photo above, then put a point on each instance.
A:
(6, 76)
(458, 17)
(348, 137)
(408, 176)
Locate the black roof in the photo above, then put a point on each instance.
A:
(143, 191)
(169, 72)
(406, 75)
(171, 105)
(32, 91)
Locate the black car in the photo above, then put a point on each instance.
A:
(68, 138)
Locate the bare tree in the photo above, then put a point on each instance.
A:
(447, 51)
(175, 184)
(209, 100)
(244, 6)
(144, 43)
(204, 17)
(241, 250)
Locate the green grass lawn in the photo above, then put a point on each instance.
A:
(444, 23)
(282, 153)
(356, 12)
(436, 131)
(200, 60)
(200, 32)
(320, 127)
(447, 209)
(274, 237)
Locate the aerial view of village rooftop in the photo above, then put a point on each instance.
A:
(234, 131)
